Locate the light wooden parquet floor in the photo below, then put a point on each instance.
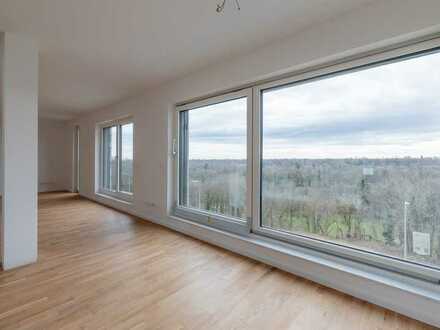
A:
(101, 269)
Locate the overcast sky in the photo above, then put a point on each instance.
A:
(387, 111)
(127, 141)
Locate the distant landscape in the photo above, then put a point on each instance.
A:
(357, 202)
(126, 175)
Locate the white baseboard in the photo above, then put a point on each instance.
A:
(50, 187)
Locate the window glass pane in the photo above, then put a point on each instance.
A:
(110, 163)
(126, 179)
(355, 159)
(213, 158)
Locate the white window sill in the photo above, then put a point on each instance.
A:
(212, 220)
(126, 200)
(356, 268)
(410, 296)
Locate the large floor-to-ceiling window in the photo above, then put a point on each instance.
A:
(116, 154)
(214, 164)
(354, 159)
(344, 159)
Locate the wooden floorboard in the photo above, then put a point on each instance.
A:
(101, 269)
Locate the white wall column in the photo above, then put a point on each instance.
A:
(19, 118)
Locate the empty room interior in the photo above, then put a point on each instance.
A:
(220, 164)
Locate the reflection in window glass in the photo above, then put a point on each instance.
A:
(213, 158)
(126, 179)
(110, 160)
(355, 159)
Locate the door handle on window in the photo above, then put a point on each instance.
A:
(174, 149)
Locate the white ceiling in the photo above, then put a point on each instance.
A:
(96, 52)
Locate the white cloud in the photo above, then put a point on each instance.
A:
(387, 111)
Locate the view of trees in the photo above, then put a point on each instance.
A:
(126, 181)
(350, 158)
(111, 169)
(218, 186)
(357, 202)
(111, 175)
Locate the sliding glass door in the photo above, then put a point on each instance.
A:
(213, 161)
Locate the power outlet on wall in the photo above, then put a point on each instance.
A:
(150, 204)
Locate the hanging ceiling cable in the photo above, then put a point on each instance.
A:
(221, 6)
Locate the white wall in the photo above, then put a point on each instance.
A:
(54, 152)
(2, 41)
(19, 112)
(374, 25)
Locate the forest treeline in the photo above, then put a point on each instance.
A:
(360, 202)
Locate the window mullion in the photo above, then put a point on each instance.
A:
(256, 159)
(183, 158)
(250, 160)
